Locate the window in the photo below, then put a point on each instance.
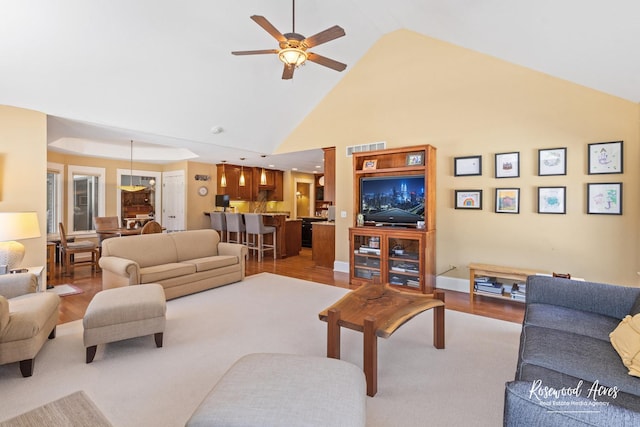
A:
(86, 197)
(54, 196)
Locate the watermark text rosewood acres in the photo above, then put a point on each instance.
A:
(560, 399)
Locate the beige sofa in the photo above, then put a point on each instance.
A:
(183, 263)
(27, 319)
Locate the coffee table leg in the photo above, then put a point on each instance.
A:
(438, 322)
(333, 334)
(370, 356)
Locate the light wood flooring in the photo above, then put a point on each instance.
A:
(301, 267)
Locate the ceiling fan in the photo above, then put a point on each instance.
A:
(293, 46)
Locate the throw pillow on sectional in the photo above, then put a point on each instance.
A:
(625, 339)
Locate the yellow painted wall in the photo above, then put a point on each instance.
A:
(196, 204)
(23, 166)
(467, 103)
(111, 172)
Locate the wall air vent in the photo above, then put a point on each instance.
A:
(373, 146)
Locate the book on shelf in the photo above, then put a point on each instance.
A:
(368, 250)
(518, 296)
(493, 288)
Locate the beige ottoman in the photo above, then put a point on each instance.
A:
(268, 390)
(123, 313)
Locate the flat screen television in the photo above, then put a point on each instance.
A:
(392, 199)
(222, 200)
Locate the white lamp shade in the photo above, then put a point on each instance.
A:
(16, 226)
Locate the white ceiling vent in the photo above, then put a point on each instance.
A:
(366, 147)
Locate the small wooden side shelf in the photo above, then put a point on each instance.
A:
(508, 273)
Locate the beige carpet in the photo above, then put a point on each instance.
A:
(136, 384)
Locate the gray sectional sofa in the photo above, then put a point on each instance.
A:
(568, 372)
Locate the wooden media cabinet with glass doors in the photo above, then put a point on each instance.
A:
(401, 254)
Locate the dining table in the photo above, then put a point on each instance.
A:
(112, 232)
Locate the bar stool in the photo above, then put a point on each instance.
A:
(219, 223)
(235, 225)
(256, 227)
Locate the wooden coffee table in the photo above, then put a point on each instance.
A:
(377, 310)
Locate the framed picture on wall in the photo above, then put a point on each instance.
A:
(508, 200)
(552, 161)
(605, 157)
(467, 166)
(552, 200)
(604, 198)
(468, 199)
(508, 165)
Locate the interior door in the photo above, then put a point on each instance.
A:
(173, 200)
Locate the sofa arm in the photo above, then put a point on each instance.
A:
(608, 300)
(13, 285)
(124, 271)
(525, 405)
(235, 249)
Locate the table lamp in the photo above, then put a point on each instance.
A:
(16, 226)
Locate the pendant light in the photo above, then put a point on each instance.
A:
(242, 180)
(131, 187)
(263, 174)
(223, 178)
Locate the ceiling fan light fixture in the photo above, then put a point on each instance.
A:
(292, 56)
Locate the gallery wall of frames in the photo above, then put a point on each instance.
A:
(602, 198)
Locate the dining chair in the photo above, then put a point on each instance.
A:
(219, 223)
(255, 227)
(151, 227)
(103, 223)
(235, 224)
(71, 249)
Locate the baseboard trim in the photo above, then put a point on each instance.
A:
(341, 266)
(452, 284)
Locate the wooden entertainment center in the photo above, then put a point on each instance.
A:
(401, 254)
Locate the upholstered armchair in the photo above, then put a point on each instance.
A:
(27, 319)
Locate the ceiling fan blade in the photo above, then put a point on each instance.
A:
(254, 52)
(324, 36)
(287, 73)
(262, 21)
(327, 62)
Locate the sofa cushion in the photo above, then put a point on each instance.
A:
(194, 244)
(160, 272)
(626, 341)
(146, 249)
(579, 356)
(4, 313)
(212, 262)
(29, 313)
(570, 320)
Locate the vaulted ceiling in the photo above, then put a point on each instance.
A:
(161, 72)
